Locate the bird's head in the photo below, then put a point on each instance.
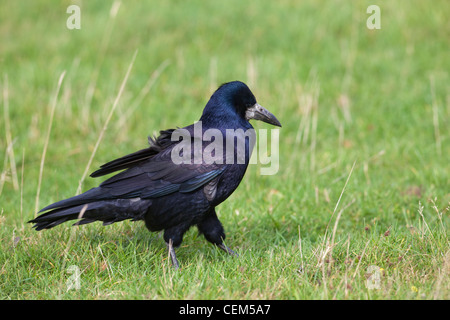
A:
(235, 100)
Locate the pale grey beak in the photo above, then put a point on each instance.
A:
(258, 112)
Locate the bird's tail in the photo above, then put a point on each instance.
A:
(89, 208)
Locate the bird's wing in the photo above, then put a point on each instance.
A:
(152, 178)
(156, 145)
(159, 176)
(151, 173)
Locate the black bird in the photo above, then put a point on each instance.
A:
(174, 195)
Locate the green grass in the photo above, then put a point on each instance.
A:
(346, 95)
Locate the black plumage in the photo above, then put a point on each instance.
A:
(167, 195)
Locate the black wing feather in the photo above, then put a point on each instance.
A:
(150, 173)
(156, 145)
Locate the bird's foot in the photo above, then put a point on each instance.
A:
(227, 250)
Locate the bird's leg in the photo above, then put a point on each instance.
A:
(173, 238)
(173, 256)
(213, 231)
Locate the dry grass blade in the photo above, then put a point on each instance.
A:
(437, 134)
(108, 119)
(328, 244)
(102, 52)
(69, 243)
(145, 90)
(4, 174)
(340, 197)
(10, 149)
(49, 130)
(21, 186)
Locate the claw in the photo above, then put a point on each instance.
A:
(227, 250)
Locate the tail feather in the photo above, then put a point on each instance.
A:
(108, 211)
(92, 195)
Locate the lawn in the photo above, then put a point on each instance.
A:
(358, 209)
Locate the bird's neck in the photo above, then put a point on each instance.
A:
(223, 121)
